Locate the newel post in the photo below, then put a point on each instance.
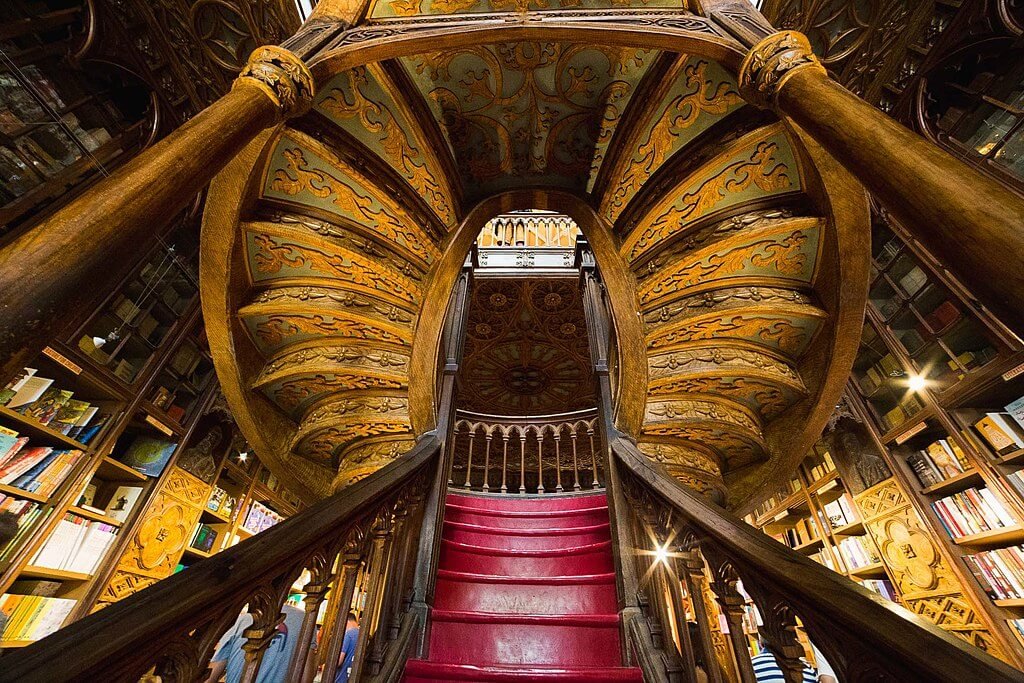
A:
(91, 243)
(972, 223)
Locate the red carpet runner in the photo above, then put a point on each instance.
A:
(525, 592)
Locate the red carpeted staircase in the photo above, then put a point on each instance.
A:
(525, 592)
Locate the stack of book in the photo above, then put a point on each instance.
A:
(260, 517)
(885, 369)
(26, 512)
(1000, 572)
(1004, 432)
(823, 468)
(840, 512)
(36, 398)
(941, 460)
(881, 586)
(803, 532)
(37, 469)
(972, 511)
(31, 617)
(858, 552)
(76, 545)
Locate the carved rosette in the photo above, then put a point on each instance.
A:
(771, 62)
(282, 76)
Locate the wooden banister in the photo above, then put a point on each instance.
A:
(175, 624)
(864, 636)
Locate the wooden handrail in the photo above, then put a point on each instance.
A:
(192, 608)
(864, 636)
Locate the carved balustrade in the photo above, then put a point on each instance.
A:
(682, 542)
(356, 550)
(532, 455)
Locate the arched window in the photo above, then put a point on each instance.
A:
(973, 103)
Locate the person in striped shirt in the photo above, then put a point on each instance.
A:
(767, 669)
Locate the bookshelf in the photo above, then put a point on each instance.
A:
(61, 126)
(932, 366)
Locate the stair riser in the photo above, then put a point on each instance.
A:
(423, 672)
(553, 522)
(516, 504)
(529, 645)
(517, 542)
(597, 562)
(525, 599)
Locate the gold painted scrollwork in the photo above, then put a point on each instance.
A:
(771, 62)
(282, 76)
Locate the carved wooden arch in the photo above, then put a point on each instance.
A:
(619, 283)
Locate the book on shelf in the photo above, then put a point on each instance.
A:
(823, 468)
(972, 511)
(1017, 625)
(937, 462)
(49, 473)
(1001, 432)
(840, 512)
(203, 538)
(30, 391)
(31, 617)
(49, 404)
(14, 386)
(87, 432)
(1000, 572)
(857, 552)
(148, 455)
(122, 502)
(824, 559)
(881, 586)
(69, 415)
(25, 512)
(800, 533)
(260, 518)
(76, 545)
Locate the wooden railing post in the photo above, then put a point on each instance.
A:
(377, 572)
(316, 590)
(691, 568)
(433, 514)
(345, 585)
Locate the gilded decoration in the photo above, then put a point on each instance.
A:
(771, 62)
(755, 393)
(689, 455)
(274, 257)
(527, 113)
(300, 175)
(700, 411)
(701, 94)
(785, 331)
(410, 8)
(161, 537)
(273, 331)
(781, 251)
(763, 166)
(723, 300)
(331, 357)
(526, 351)
(282, 76)
(324, 445)
(918, 570)
(295, 393)
(358, 101)
(720, 357)
(362, 459)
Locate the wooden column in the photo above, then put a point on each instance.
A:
(88, 246)
(345, 588)
(972, 223)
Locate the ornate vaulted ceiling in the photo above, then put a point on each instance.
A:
(713, 221)
(526, 349)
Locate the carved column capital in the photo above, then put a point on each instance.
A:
(282, 76)
(771, 62)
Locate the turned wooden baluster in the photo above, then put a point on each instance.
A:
(558, 459)
(391, 595)
(469, 460)
(455, 440)
(315, 589)
(723, 585)
(575, 461)
(522, 461)
(345, 580)
(593, 457)
(540, 460)
(376, 571)
(690, 566)
(504, 461)
(778, 629)
(487, 459)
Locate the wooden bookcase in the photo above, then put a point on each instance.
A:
(61, 127)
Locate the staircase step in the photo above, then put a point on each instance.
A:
(537, 640)
(417, 671)
(514, 519)
(587, 594)
(594, 558)
(525, 539)
(547, 503)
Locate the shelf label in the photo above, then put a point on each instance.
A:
(1013, 372)
(159, 425)
(911, 432)
(63, 360)
(780, 516)
(829, 486)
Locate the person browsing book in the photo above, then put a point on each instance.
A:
(348, 649)
(229, 658)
